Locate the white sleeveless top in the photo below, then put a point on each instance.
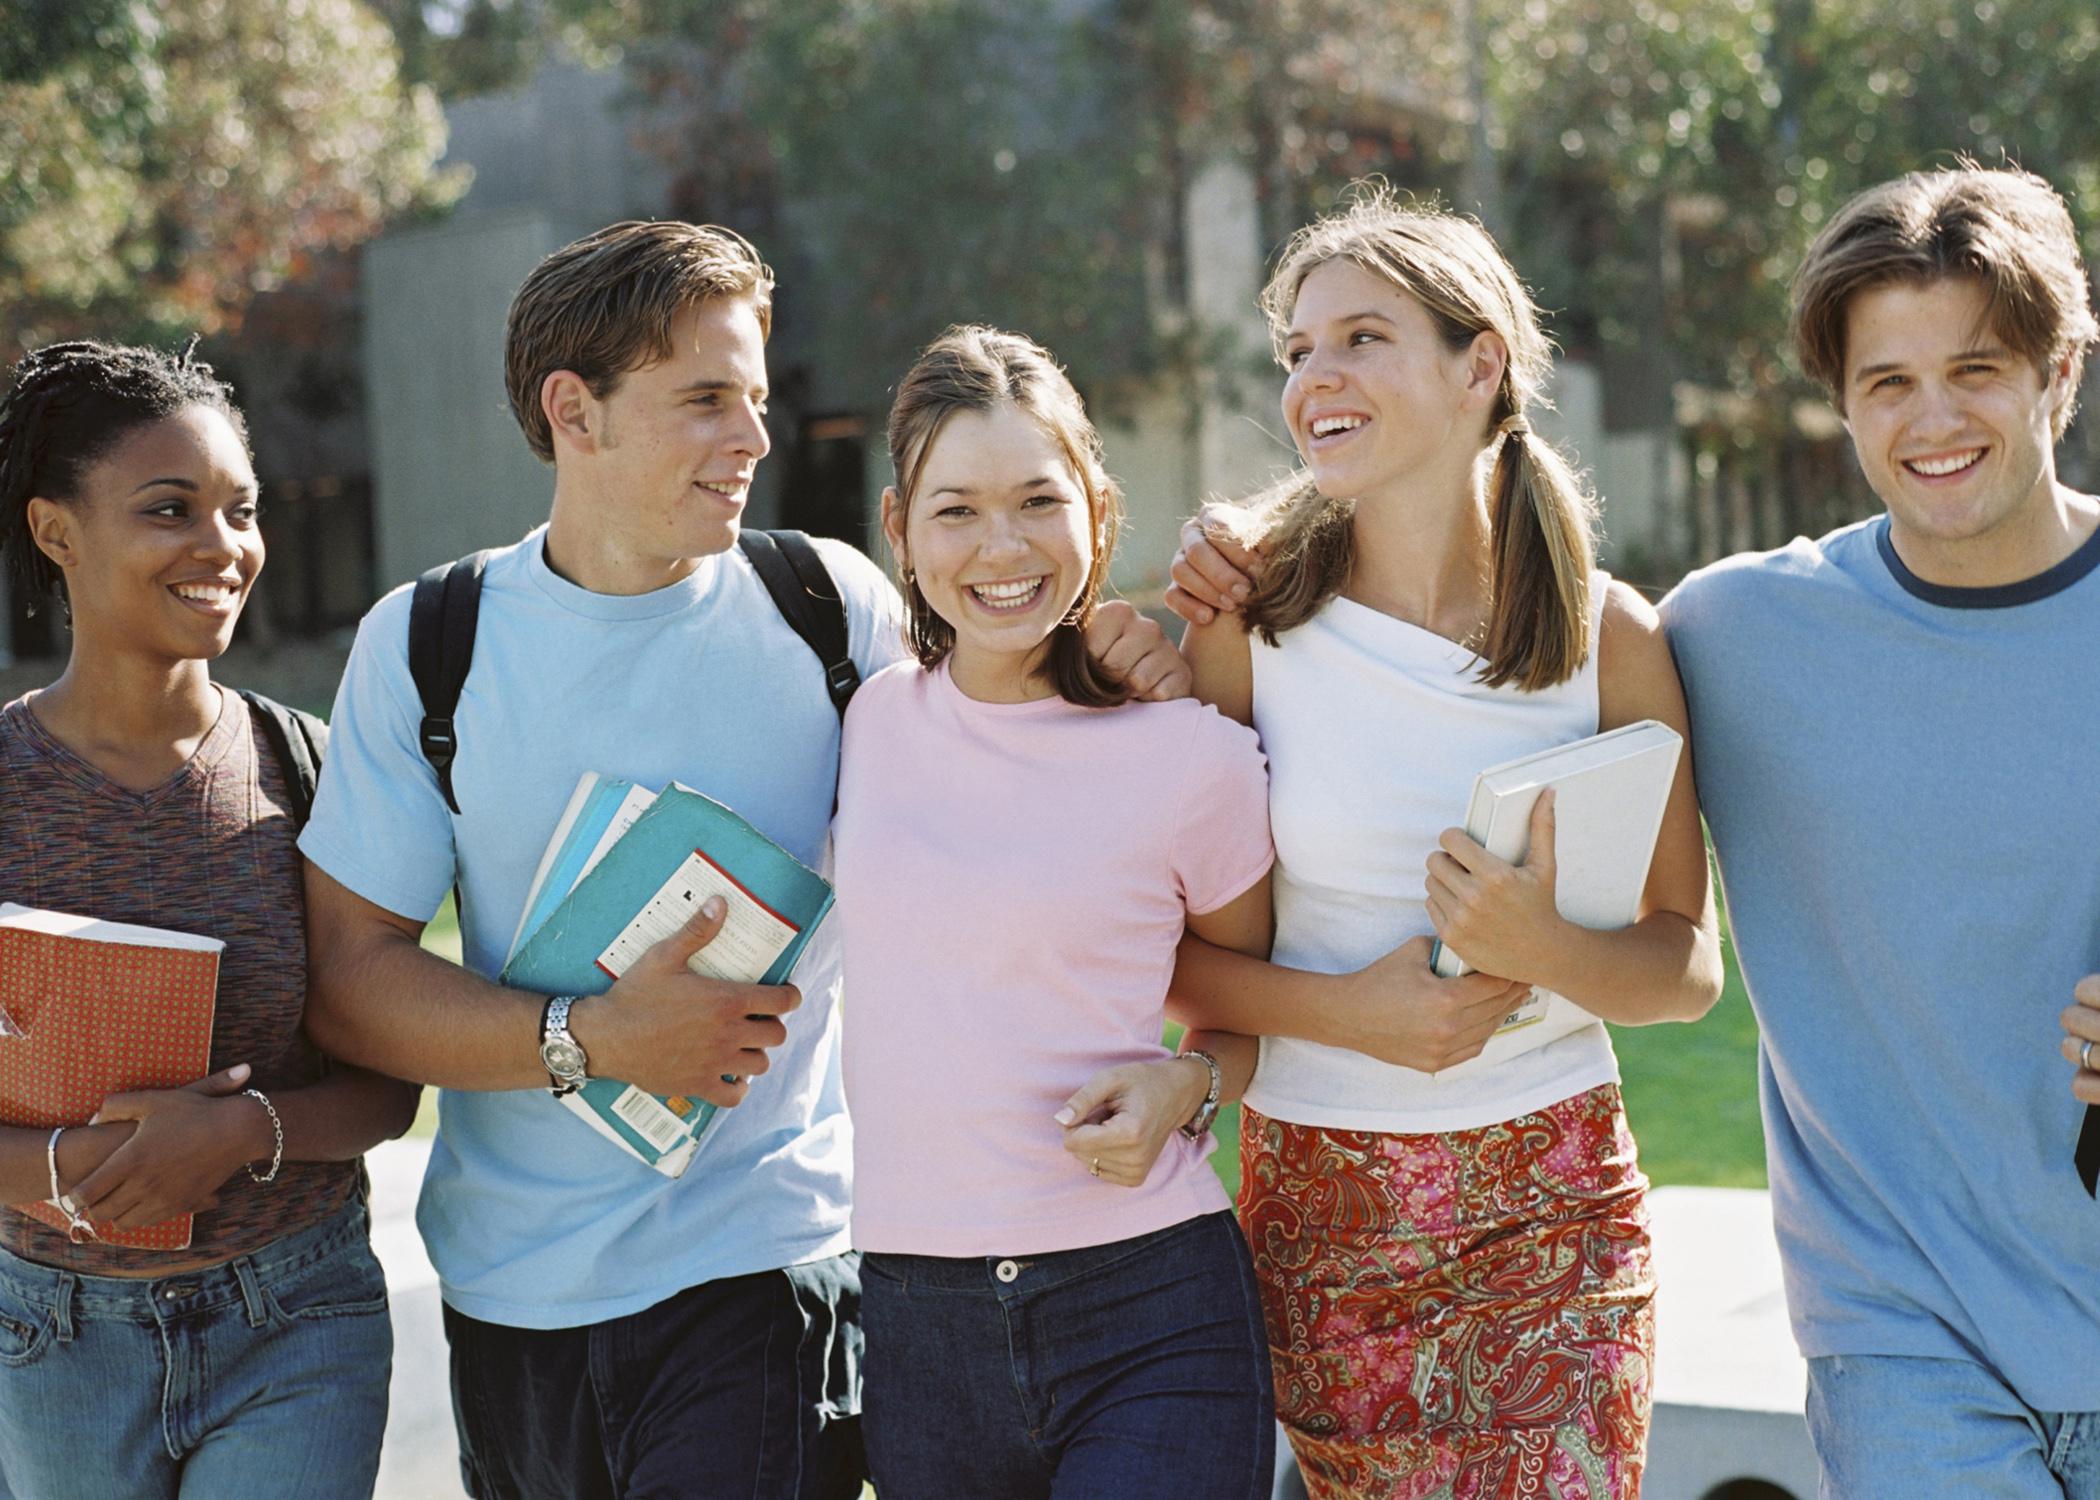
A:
(1375, 729)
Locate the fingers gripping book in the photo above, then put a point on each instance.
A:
(624, 870)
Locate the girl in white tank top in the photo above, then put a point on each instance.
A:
(1448, 1223)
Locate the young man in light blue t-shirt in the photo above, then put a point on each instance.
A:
(1895, 732)
(614, 1331)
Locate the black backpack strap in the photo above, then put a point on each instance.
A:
(803, 591)
(441, 618)
(300, 742)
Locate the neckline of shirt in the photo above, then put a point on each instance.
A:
(944, 683)
(578, 600)
(2051, 580)
(216, 745)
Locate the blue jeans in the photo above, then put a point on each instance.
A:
(1119, 1372)
(746, 1388)
(1898, 1427)
(264, 1376)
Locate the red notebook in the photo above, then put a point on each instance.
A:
(89, 1009)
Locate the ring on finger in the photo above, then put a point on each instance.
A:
(1093, 1168)
(2085, 1057)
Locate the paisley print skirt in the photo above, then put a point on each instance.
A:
(1467, 1314)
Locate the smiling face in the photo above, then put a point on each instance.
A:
(160, 547)
(1375, 395)
(1000, 539)
(669, 452)
(1952, 430)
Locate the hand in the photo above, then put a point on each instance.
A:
(1495, 915)
(1399, 1010)
(668, 1030)
(2081, 1025)
(1213, 571)
(1136, 652)
(185, 1144)
(1121, 1118)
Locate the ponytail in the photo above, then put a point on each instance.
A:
(1541, 549)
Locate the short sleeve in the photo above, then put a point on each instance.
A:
(1221, 838)
(380, 825)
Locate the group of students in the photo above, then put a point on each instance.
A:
(1053, 832)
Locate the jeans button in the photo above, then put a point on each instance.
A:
(175, 1291)
(1006, 1270)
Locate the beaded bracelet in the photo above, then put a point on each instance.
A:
(277, 1129)
(78, 1229)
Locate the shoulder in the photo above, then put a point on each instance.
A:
(1631, 627)
(861, 581)
(1716, 595)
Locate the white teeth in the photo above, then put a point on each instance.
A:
(722, 489)
(1328, 426)
(1006, 595)
(1935, 467)
(206, 592)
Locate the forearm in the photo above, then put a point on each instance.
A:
(1664, 967)
(1236, 1057)
(1216, 989)
(341, 1117)
(377, 1000)
(25, 1170)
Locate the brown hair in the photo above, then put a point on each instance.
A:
(974, 368)
(2003, 229)
(605, 304)
(1541, 519)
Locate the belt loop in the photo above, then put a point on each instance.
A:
(62, 1310)
(251, 1292)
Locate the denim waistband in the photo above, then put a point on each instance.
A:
(1006, 1275)
(147, 1299)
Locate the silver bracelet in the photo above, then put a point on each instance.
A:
(277, 1129)
(78, 1229)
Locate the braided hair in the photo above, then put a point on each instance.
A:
(67, 405)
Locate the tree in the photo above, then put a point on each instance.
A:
(160, 165)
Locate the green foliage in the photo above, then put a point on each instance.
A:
(158, 166)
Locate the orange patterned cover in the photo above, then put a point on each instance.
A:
(83, 1017)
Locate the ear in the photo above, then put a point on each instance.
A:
(893, 524)
(1485, 361)
(574, 415)
(54, 529)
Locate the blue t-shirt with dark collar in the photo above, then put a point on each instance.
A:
(1902, 783)
(532, 1219)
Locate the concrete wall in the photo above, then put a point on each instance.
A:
(451, 472)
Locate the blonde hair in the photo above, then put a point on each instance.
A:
(2004, 230)
(1542, 520)
(974, 368)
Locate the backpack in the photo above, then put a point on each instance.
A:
(447, 603)
(299, 741)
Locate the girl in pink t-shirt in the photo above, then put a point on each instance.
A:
(1055, 1295)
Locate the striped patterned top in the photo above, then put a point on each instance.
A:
(210, 850)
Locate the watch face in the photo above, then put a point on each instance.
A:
(563, 1059)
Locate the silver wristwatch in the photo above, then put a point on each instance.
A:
(1198, 1125)
(560, 1053)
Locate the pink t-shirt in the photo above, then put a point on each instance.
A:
(1013, 880)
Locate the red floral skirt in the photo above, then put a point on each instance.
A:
(1466, 1314)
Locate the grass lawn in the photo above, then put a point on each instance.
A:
(1691, 1091)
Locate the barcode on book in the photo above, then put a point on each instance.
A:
(654, 1123)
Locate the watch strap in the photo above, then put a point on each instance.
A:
(1198, 1125)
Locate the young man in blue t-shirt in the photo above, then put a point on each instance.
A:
(1894, 731)
(614, 1331)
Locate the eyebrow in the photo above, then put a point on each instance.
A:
(190, 486)
(1993, 351)
(697, 386)
(1366, 316)
(1039, 482)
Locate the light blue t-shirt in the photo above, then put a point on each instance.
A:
(1902, 781)
(532, 1219)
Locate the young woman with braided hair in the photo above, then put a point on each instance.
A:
(1447, 1222)
(134, 789)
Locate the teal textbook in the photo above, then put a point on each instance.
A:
(624, 870)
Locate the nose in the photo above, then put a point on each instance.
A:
(751, 436)
(1003, 536)
(1937, 409)
(218, 540)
